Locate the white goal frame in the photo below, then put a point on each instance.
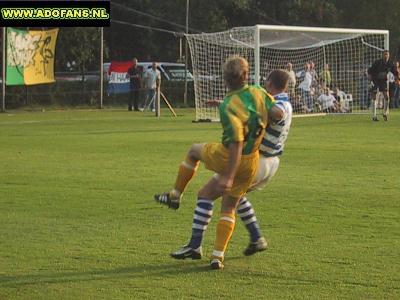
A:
(254, 46)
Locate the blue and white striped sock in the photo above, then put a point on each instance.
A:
(246, 213)
(201, 219)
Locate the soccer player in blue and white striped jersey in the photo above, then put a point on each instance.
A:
(271, 148)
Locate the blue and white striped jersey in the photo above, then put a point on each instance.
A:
(277, 132)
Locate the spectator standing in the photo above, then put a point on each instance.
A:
(152, 79)
(292, 80)
(314, 75)
(326, 77)
(364, 86)
(135, 77)
(305, 86)
(392, 86)
(315, 88)
(396, 91)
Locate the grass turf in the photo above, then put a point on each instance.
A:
(77, 219)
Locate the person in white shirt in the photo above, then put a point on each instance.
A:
(152, 79)
(292, 80)
(327, 101)
(305, 86)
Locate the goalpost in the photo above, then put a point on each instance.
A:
(347, 53)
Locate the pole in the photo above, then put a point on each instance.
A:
(158, 108)
(101, 66)
(3, 83)
(257, 55)
(186, 53)
(180, 49)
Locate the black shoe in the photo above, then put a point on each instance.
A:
(385, 118)
(166, 199)
(258, 246)
(187, 252)
(375, 119)
(216, 264)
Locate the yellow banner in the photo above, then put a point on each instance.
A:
(41, 68)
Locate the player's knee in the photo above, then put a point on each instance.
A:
(210, 191)
(195, 151)
(229, 204)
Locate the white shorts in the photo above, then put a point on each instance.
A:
(267, 167)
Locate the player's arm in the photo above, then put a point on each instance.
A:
(275, 112)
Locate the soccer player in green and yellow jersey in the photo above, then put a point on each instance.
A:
(244, 116)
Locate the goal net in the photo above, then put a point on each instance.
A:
(339, 60)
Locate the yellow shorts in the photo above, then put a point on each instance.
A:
(215, 158)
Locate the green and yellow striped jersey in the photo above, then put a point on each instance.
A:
(244, 116)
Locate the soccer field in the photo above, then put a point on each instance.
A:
(78, 219)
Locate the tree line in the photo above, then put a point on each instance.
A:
(211, 15)
(133, 31)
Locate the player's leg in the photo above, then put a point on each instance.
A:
(130, 100)
(267, 168)
(153, 101)
(201, 219)
(186, 171)
(135, 100)
(202, 214)
(247, 215)
(374, 102)
(225, 227)
(149, 99)
(386, 102)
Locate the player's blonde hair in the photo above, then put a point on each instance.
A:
(236, 71)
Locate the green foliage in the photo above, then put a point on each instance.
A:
(79, 44)
(77, 218)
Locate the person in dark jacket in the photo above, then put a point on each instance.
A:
(135, 76)
(378, 74)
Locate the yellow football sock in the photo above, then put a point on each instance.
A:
(225, 228)
(186, 171)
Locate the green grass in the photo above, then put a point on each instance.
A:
(77, 219)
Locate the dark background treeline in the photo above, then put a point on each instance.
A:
(216, 15)
(122, 41)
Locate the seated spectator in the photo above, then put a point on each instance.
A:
(327, 102)
(340, 97)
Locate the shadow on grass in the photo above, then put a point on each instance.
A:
(133, 272)
(176, 268)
